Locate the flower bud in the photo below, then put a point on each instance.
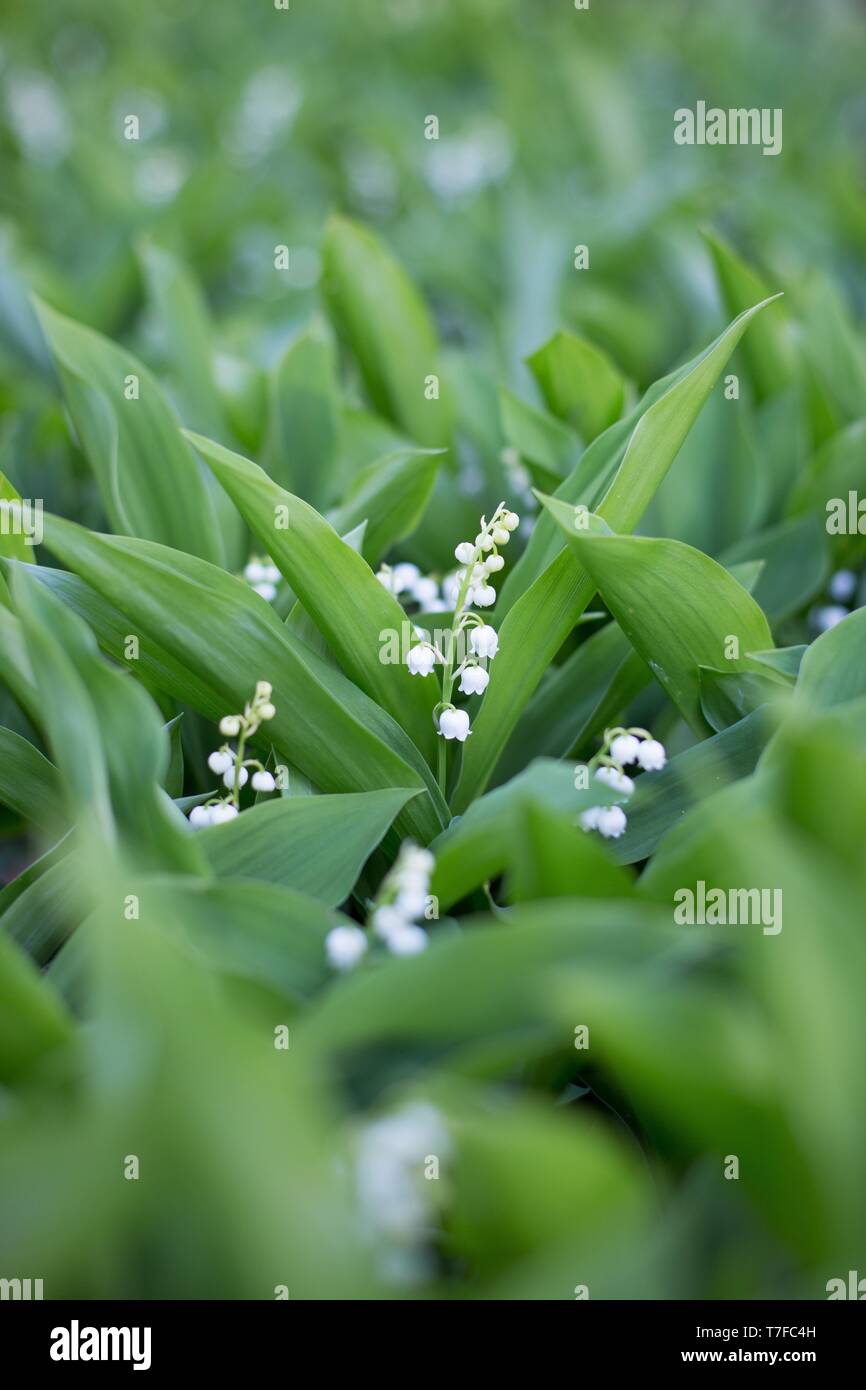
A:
(465, 552)
(230, 725)
(267, 711)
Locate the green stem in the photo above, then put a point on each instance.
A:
(236, 794)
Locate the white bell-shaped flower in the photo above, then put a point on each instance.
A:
(454, 723)
(651, 755)
(221, 761)
(421, 659)
(612, 777)
(474, 680)
(345, 946)
(611, 822)
(484, 641)
(408, 940)
(465, 553)
(624, 749)
(263, 782)
(485, 596)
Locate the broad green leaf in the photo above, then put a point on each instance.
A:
(254, 931)
(679, 609)
(187, 341)
(149, 479)
(832, 346)
(576, 700)
(536, 626)
(540, 439)
(15, 544)
(380, 315)
(553, 857)
(44, 915)
(477, 847)
(768, 351)
(833, 669)
(579, 383)
(32, 1020)
(105, 733)
(587, 1185)
(835, 470)
(222, 637)
(336, 586)
(15, 668)
(187, 337)
(522, 951)
(797, 561)
(303, 417)
(29, 782)
(728, 696)
(314, 844)
(391, 494)
(662, 799)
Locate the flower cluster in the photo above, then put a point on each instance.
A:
(263, 575)
(401, 899)
(229, 763)
(621, 748)
(471, 587)
(396, 1158)
(407, 582)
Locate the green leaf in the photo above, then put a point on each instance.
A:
(15, 544)
(42, 917)
(554, 858)
(536, 626)
(679, 609)
(314, 844)
(662, 799)
(384, 321)
(797, 561)
(106, 734)
(150, 482)
(187, 337)
(254, 931)
(391, 494)
(477, 847)
(579, 383)
(32, 1021)
(336, 586)
(221, 638)
(29, 782)
(540, 439)
(833, 669)
(303, 417)
(577, 699)
(768, 351)
(728, 696)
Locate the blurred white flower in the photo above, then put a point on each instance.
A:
(345, 946)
